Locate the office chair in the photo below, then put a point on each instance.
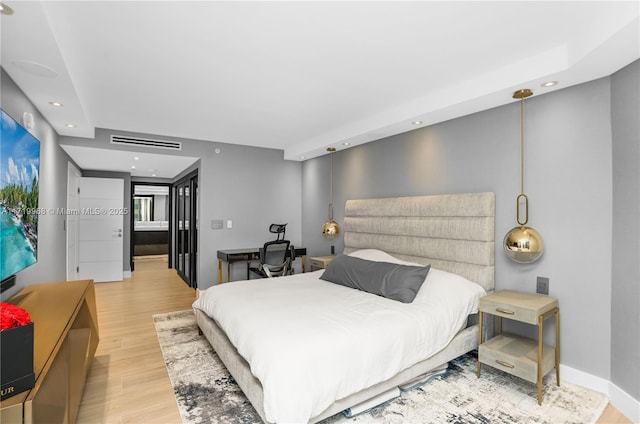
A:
(274, 261)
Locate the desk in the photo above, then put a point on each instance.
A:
(247, 255)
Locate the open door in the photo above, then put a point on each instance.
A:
(73, 222)
(185, 237)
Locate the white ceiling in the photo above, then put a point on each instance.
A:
(138, 164)
(300, 76)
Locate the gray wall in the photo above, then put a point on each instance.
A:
(625, 302)
(51, 265)
(251, 186)
(568, 180)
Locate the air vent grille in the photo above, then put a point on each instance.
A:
(146, 142)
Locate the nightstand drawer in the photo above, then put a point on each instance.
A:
(508, 311)
(517, 356)
(517, 306)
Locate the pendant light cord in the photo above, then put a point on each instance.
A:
(522, 145)
(522, 94)
(331, 186)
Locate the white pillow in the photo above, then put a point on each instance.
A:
(450, 284)
(380, 256)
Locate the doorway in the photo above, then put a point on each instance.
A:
(73, 222)
(185, 229)
(150, 226)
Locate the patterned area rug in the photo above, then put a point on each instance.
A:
(206, 392)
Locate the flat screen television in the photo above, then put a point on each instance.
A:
(19, 176)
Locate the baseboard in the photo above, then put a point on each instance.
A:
(126, 274)
(582, 378)
(624, 402)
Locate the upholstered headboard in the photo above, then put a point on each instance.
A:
(453, 232)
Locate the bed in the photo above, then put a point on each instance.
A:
(276, 365)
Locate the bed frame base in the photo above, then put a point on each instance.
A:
(465, 341)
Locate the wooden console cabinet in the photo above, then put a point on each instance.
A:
(65, 341)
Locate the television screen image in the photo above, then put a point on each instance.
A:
(19, 174)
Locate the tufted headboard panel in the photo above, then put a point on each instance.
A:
(453, 232)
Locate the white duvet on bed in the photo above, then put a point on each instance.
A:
(311, 342)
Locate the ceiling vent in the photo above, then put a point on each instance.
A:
(146, 142)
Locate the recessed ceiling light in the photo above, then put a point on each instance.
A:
(153, 175)
(136, 158)
(346, 143)
(549, 84)
(70, 126)
(56, 104)
(302, 157)
(417, 122)
(5, 10)
(133, 167)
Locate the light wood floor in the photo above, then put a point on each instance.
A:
(128, 381)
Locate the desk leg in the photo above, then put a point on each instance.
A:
(228, 271)
(302, 262)
(219, 271)
(480, 319)
(540, 327)
(558, 347)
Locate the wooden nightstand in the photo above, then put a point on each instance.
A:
(320, 262)
(519, 356)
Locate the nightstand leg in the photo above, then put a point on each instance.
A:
(219, 271)
(479, 342)
(540, 326)
(558, 347)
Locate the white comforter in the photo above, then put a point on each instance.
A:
(311, 342)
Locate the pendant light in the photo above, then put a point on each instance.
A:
(523, 244)
(330, 229)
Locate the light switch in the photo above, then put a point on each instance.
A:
(229, 223)
(542, 285)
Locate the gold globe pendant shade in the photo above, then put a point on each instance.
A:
(330, 229)
(523, 244)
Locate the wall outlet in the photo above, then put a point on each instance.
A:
(542, 285)
(229, 224)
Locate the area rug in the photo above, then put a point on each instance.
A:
(206, 392)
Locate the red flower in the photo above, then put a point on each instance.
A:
(12, 316)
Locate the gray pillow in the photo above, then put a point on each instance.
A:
(393, 281)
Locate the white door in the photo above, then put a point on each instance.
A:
(73, 220)
(101, 228)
